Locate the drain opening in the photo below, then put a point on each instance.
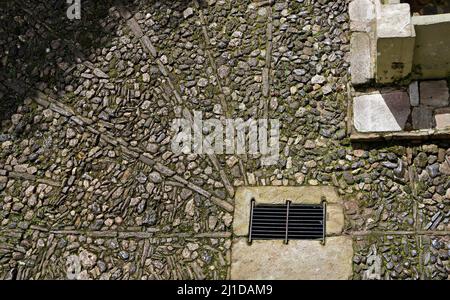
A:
(287, 221)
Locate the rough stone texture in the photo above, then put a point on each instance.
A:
(360, 58)
(414, 96)
(308, 260)
(135, 28)
(395, 43)
(362, 15)
(394, 21)
(422, 117)
(442, 118)
(279, 195)
(75, 161)
(434, 93)
(381, 112)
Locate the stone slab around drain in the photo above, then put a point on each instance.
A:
(300, 259)
(381, 112)
(279, 195)
(434, 93)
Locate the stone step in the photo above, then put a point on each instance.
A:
(381, 112)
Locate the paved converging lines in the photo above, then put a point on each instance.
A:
(89, 180)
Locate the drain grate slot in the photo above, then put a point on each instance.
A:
(287, 221)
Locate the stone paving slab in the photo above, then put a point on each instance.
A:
(362, 13)
(360, 58)
(442, 118)
(307, 260)
(434, 93)
(422, 117)
(381, 112)
(394, 21)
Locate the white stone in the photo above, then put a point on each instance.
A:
(223, 71)
(262, 11)
(202, 82)
(317, 79)
(100, 74)
(360, 58)
(381, 112)
(326, 89)
(394, 21)
(442, 118)
(29, 191)
(70, 133)
(15, 119)
(135, 28)
(188, 12)
(87, 259)
(362, 13)
(146, 105)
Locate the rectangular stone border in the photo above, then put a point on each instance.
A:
(299, 260)
(417, 135)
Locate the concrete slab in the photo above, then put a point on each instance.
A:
(308, 260)
(434, 93)
(361, 64)
(422, 117)
(279, 195)
(442, 118)
(381, 112)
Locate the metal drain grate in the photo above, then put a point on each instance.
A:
(287, 221)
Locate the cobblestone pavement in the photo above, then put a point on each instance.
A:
(86, 170)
